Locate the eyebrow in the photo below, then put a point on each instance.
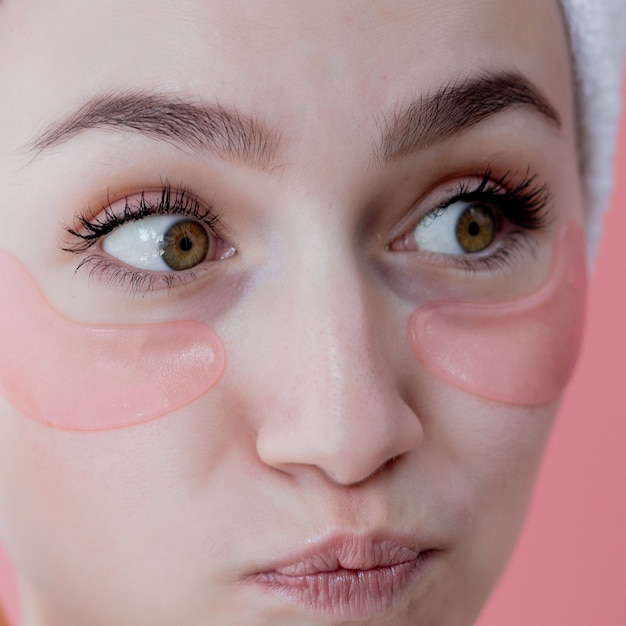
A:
(449, 111)
(457, 107)
(160, 116)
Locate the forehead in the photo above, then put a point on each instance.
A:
(293, 64)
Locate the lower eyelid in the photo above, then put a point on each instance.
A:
(135, 282)
(514, 247)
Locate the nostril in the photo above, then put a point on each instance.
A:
(348, 446)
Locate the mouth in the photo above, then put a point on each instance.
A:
(348, 576)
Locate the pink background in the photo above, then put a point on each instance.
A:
(570, 565)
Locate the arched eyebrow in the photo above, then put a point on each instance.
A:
(455, 108)
(432, 117)
(160, 116)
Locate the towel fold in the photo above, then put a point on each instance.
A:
(598, 40)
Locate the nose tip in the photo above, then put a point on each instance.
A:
(338, 406)
(348, 447)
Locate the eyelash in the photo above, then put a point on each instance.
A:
(525, 205)
(90, 230)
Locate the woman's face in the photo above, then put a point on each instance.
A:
(325, 470)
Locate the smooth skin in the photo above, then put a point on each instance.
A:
(323, 420)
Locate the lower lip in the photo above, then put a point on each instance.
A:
(346, 593)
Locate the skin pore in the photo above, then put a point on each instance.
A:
(303, 137)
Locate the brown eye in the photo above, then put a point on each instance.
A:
(185, 245)
(476, 228)
(459, 228)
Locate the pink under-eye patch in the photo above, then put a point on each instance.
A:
(520, 351)
(87, 377)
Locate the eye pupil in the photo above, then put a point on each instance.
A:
(476, 228)
(185, 245)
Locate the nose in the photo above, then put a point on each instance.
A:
(331, 398)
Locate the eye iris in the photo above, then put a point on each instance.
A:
(185, 245)
(476, 228)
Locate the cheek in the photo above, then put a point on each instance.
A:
(521, 351)
(86, 377)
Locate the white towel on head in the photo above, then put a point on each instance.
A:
(598, 39)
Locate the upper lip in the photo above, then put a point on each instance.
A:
(348, 552)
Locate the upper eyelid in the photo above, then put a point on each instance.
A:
(522, 199)
(90, 228)
(499, 188)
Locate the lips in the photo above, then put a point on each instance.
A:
(349, 576)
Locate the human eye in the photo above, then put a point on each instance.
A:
(160, 243)
(147, 241)
(480, 223)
